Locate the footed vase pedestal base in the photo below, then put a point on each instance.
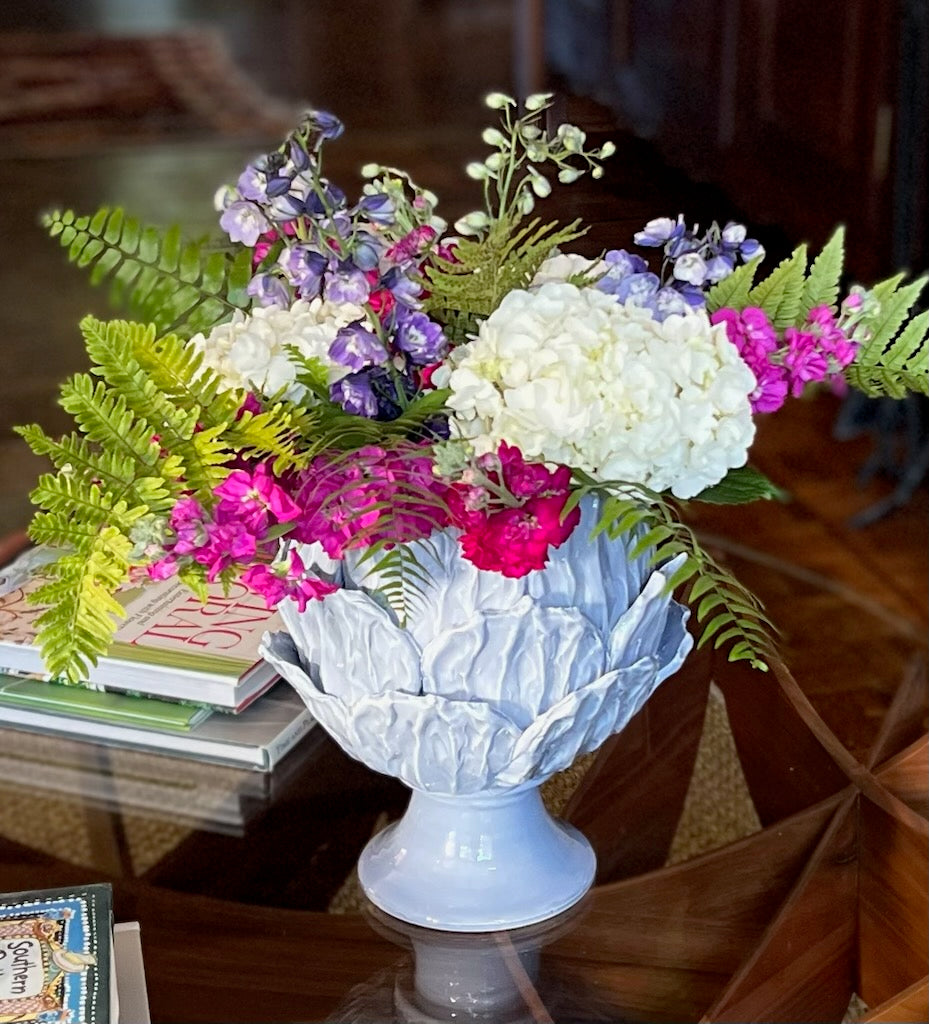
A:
(483, 862)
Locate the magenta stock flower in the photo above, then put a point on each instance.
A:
(253, 497)
(288, 578)
(378, 495)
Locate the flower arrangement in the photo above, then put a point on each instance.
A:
(355, 376)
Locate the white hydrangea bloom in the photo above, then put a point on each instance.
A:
(563, 265)
(251, 351)
(572, 376)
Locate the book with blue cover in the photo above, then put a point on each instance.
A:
(56, 956)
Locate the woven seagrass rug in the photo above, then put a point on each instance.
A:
(67, 93)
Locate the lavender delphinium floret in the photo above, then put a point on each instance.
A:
(690, 268)
(244, 222)
(693, 262)
(637, 288)
(420, 338)
(406, 290)
(356, 347)
(269, 290)
(304, 267)
(353, 392)
(657, 232)
(346, 283)
(668, 301)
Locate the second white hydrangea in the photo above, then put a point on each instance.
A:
(251, 351)
(572, 376)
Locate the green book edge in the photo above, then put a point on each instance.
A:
(101, 705)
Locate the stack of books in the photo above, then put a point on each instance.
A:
(181, 677)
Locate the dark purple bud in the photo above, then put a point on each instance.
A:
(692, 294)
(366, 251)
(327, 125)
(277, 186)
(299, 158)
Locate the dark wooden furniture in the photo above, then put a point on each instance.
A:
(807, 113)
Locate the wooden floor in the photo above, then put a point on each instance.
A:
(408, 77)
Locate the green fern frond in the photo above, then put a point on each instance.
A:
(275, 433)
(892, 363)
(175, 285)
(81, 613)
(486, 269)
(733, 291)
(402, 580)
(112, 347)
(105, 418)
(110, 469)
(780, 294)
(85, 501)
(176, 369)
(737, 615)
(821, 287)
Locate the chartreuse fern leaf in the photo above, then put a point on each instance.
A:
(179, 428)
(726, 612)
(110, 469)
(888, 362)
(733, 291)
(180, 286)
(821, 287)
(277, 433)
(780, 294)
(80, 616)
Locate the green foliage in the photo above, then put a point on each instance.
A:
(821, 288)
(178, 286)
(780, 294)
(506, 257)
(724, 610)
(891, 363)
(402, 580)
(789, 292)
(733, 291)
(143, 439)
(739, 486)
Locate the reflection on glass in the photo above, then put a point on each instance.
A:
(446, 976)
